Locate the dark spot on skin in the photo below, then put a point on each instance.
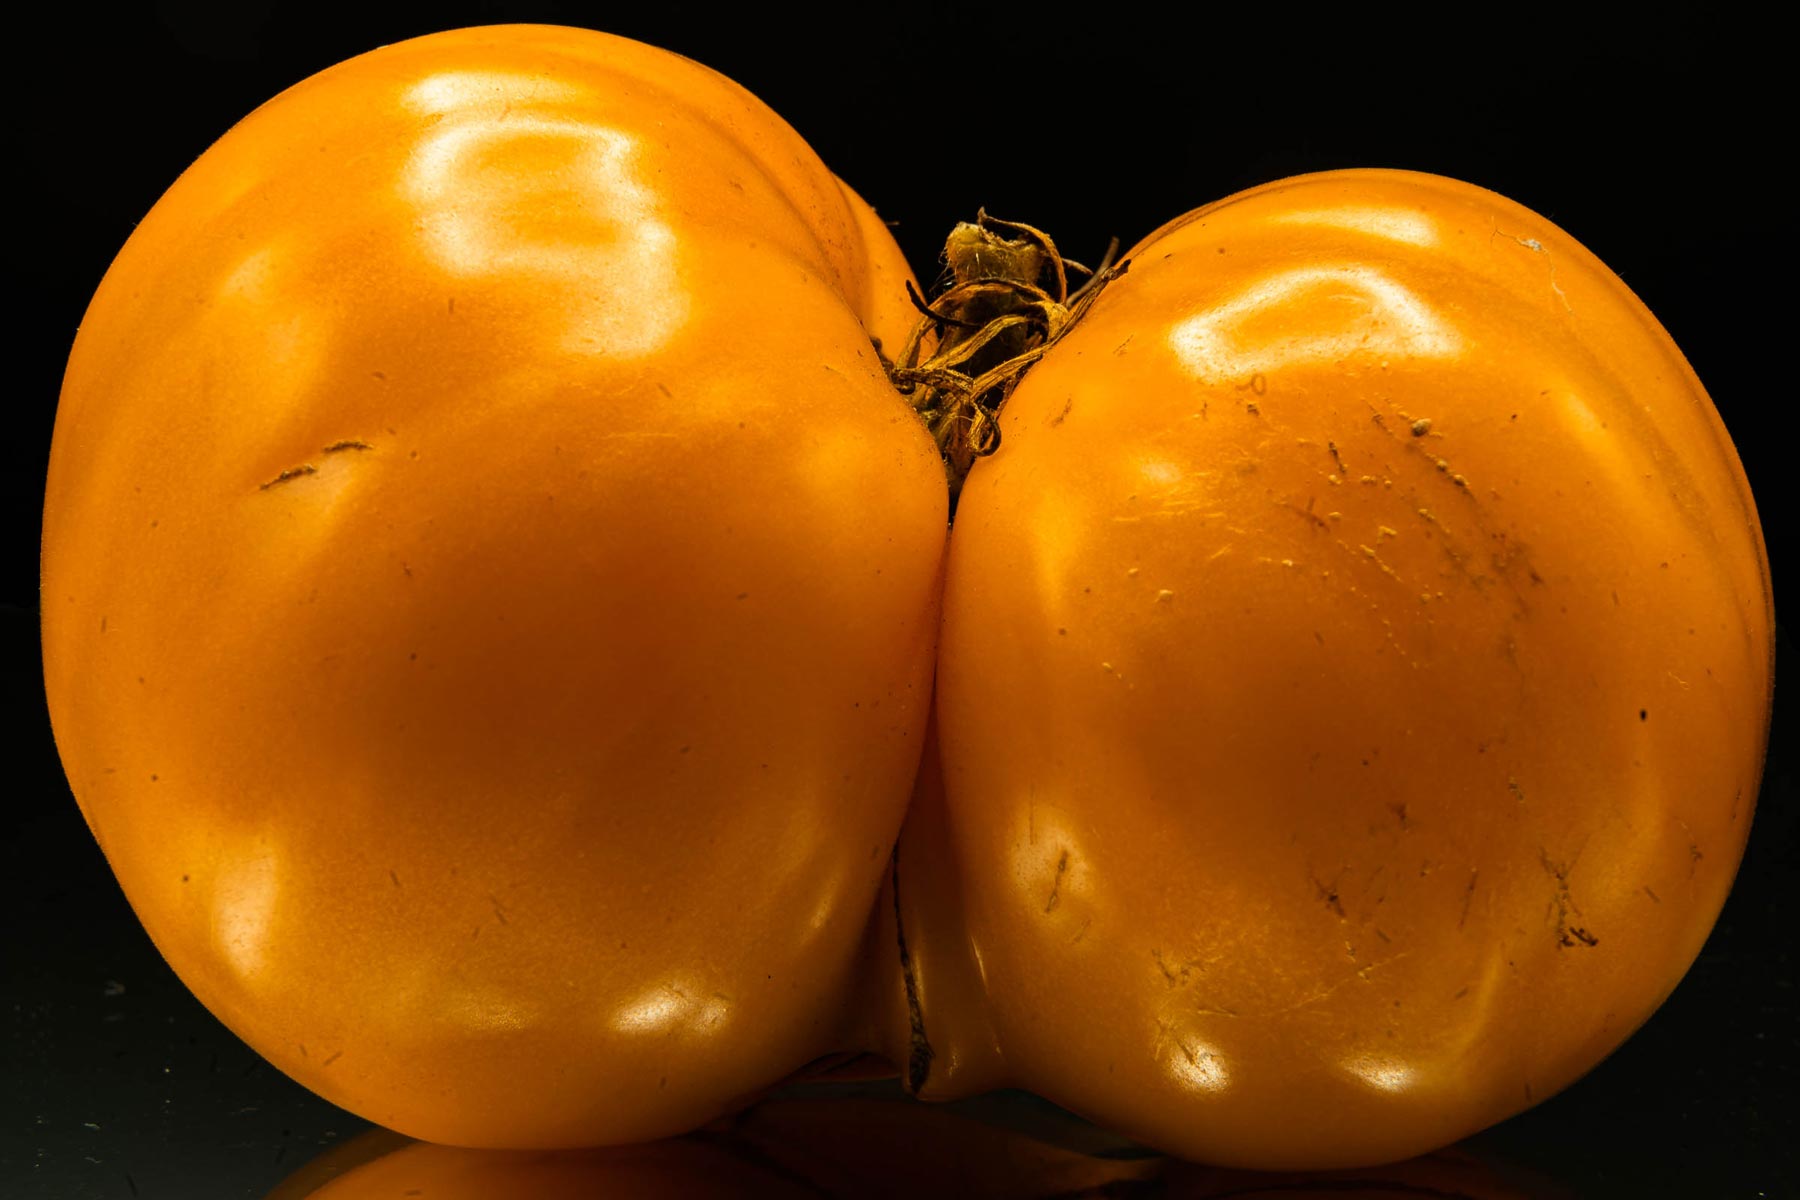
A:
(1643, 714)
(1328, 895)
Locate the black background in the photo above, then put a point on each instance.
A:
(1653, 139)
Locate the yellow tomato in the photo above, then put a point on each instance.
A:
(490, 586)
(1354, 680)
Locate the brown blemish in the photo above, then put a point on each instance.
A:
(346, 444)
(1567, 934)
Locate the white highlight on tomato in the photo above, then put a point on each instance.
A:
(509, 149)
(1310, 314)
(1394, 224)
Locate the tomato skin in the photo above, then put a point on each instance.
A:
(1354, 678)
(490, 586)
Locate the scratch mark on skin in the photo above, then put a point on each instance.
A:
(335, 1055)
(1537, 247)
(1653, 896)
(1468, 896)
(1361, 973)
(1062, 868)
(289, 475)
(499, 912)
(346, 444)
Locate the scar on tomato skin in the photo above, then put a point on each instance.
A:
(1062, 868)
(290, 474)
(346, 444)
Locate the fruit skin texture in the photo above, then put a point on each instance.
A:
(490, 586)
(1354, 679)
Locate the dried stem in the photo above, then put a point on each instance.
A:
(1007, 303)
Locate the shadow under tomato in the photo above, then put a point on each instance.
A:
(869, 1140)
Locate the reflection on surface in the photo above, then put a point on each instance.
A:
(869, 1141)
(516, 179)
(1395, 224)
(670, 1007)
(1337, 310)
(244, 909)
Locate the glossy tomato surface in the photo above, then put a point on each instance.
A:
(1354, 680)
(490, 586)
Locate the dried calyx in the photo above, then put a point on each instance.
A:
(1007, 301)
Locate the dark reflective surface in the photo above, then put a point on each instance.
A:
(1653, 142)
(1009, 1147)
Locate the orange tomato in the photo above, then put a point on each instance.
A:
(1354, 680)
(490, 586)
(492, 596)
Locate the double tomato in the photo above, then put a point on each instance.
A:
(499, 618)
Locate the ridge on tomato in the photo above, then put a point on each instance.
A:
(1350, 689)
